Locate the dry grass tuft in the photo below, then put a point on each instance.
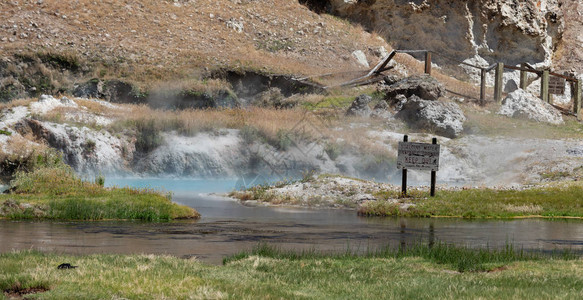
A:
(15, 103)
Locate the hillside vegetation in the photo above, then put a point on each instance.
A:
(49, 46)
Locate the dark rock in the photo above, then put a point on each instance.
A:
(197, 100)
(90, 89)
(511, 86)
(422, 86)
(381, 111)
(360, 106)
(390, 79)
(115, 91)
(444, 118)
(248, 84)
(274, 98)
(66, 266)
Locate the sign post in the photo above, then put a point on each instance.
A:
(433, 172)
(404, 179)
(418, 156)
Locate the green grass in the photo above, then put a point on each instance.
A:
(460, 258)
(269, 273)
(336, 101)
(557, 200)
(57, 193)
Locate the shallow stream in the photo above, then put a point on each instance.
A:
(228, 227)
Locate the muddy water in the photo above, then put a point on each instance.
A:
(228, 227)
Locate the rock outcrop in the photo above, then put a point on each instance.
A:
(443, 118)
(423, 86)
(360, 106)
(381, 111)
(524, 105)
(505, 30)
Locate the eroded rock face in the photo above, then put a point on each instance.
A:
(511, 31)
(84, 149)
(524, 105)
(444, 118)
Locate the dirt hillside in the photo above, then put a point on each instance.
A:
(158, 38)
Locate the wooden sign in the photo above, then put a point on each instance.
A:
(556, 85)
(418, 156)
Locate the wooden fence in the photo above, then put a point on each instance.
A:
(375, 75)
(545, 75)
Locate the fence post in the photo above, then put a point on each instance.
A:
(544, 86)
(577, 98)
(498, 83)
(428, 62)
(483, 86)
(523, 78)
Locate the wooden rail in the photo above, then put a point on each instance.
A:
(375, 75)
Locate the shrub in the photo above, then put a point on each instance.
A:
(89, 147)
(333, 150)
(283, 140)
(27, 158)
(148, 136)
(249, 134)
(100, 180)
(68, 61)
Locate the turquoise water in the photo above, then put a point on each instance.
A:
(179, 186)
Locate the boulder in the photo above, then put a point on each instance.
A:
(399, 101)
(511, 86)
(360, 58)
(445, 118)
(524, 105)
(381, 111)
(422, 86)
(360, 106)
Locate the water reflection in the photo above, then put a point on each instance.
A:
(228, 227)
(214, 237)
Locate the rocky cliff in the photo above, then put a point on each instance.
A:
(511, 31)
(569, 54)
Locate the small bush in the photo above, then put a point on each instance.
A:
(27, 159)
(249, 134)
(283, 141)
(148, 136)
(333, 150)
(89, 147)
(100, 180)
(69, 61)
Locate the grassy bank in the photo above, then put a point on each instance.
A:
(51, 190)
(268, 273)
(551, 200)
(556, 200)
